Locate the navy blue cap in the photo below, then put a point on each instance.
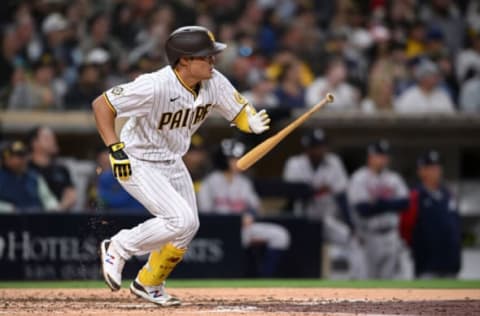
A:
(313, 138)
(381, 147)
(430, 158)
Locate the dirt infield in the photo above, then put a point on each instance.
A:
(245, 301)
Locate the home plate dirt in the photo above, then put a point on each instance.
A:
(250, 301)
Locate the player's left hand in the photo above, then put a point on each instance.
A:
(259, 122)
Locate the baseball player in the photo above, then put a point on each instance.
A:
(432, 225)
(164, 109)
(378, 195)
(227, 191)
(324, 171)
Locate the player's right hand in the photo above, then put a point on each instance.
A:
(121, 167)
(258, 122)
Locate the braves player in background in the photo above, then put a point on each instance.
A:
(432, 225)
(227, 191)
(378, 195)
(324, 171)
(164, 109)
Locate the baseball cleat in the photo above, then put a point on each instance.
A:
(112, 265)
(154, 294)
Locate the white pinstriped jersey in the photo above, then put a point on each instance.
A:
(164, 113)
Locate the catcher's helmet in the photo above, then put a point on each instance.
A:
(191, 41)
(229, 148)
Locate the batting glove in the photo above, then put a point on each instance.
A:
(119, 160)
(258, 122)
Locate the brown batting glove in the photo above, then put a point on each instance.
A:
(121, 167)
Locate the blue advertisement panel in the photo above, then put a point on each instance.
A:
(65, 246)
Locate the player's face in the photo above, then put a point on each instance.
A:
(430, 175)
(47, 141)
(17, 162)
(378, 162)
(317, 153)
(201, 68)
(232, 165)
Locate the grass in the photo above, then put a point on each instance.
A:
(259, 283)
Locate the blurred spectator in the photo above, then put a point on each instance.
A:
(388, 76)
(227, 33)
(227, 191)
(445, 15)
(432, 224)
(289, 92)
(261, 95)
(44, 151)
(59, 42)
(334, 81)
(8, 60)
(324, 171)
(22, 190)
(468, 60)
(416, 39)
(111, 197)
(99, 36)
(239, 73)
(473, 15)
(435, 43)
(470, 95)
(28, 39)
(55, 31)
(108, 74)
(260, 35)
(124, 27)
(447, 73)
(283, 58)
(426, 96)
(151, 38)
(39, 92)
(378, 195)
(88, 87)
(197, 161)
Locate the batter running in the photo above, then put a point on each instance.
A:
(164, 109)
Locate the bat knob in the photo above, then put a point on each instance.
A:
(330, 97)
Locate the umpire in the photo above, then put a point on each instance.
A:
(432, 225)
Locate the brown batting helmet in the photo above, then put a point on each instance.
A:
(191, 41)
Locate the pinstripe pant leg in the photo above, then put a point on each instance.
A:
(150, 184)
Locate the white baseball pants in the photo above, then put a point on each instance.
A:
(274, 235)
(166, 191)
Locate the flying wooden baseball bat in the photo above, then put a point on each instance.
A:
(257, 152)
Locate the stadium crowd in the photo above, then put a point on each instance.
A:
(405, 56)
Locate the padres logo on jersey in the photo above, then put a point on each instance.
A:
(240, 99)
(183, 117)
